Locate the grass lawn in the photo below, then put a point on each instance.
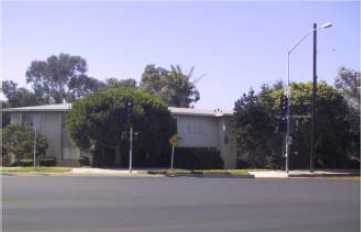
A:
(34, 170)
(207, 172)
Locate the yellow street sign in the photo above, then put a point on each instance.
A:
(173, 140)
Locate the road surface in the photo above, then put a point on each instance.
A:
(180, 204)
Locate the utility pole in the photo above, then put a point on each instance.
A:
(130, 112)
(314, 92)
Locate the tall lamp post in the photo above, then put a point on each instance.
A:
(314, 90)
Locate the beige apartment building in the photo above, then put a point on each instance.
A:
(195, 127)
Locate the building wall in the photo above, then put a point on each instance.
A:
(201, 131)
(194, 131)
(16, 118)
(197, 131)
(50, 124)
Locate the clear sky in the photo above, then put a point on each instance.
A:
(237, 45)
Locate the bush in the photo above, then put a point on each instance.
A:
(48, 162)
(23, 163)
(84, 161)
(197, 158)
(19, 140)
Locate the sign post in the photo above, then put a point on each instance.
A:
(174, 142)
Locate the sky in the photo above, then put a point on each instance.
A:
(235, 45)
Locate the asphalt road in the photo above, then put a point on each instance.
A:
(161, 204)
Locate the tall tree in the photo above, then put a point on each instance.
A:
(349, 83)
(173, 86)
(113, 82)
(99, 120)
(19, 97)
(260, 144)
(61, 78)
(5, 116)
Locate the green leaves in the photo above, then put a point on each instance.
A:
(174, 87)
(102, 117)
(258, 143)
(19, 140)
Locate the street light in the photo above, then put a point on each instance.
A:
(288, 92)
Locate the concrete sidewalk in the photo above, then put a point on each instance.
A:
(305, 173)
(257, 174)
(108, 172)
(146, 172)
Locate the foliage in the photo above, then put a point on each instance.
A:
(19, 97)
(123, 83)
(260, 142)
(174, 87)
(5, 116)
(48, 162)
(23, 163)
(197, 158)
(254, 129)
(19, 140)
(84, 161)
(348, 83)
(61, 78)
(99, 119)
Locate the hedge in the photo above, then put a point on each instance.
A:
(198, 158)
(23, 163)
(84, 161)
(48, 162)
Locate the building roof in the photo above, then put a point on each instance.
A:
(200, 112)
(53, 107)
(173, 110)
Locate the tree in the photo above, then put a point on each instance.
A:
(174, 87)
(98, 121)
(348, 82)
(123, 83)
(260, 140)
(5, 116)
(19, 140)
(61, 78)
(19, 97)
(254, 132)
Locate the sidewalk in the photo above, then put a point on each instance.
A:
(107, 172)
(306, 173)
(258, 174)
(146, 173)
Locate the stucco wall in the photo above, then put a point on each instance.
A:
(50, 126)
(16, 118)
(200, 131)
(196, 131)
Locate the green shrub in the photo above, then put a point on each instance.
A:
(48, 162)
(84, 161)
(23, 163)
(198, 158)
(19, 140)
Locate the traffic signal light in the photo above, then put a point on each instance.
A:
(284, 105)
(129, 108)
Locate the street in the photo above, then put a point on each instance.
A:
(159, 204)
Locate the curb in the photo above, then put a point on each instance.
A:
(325, 175)
(248, 176)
